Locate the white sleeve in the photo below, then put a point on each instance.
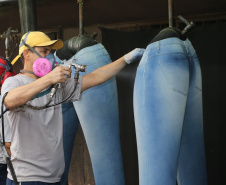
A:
(9, 84)
(69, 87)
(7, 131)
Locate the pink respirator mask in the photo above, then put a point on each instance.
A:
(43, 66)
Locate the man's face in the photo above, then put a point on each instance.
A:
(42, 50)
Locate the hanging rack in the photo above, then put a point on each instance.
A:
(170, 11)
(10, 35)
(81, 25)
(189, 25)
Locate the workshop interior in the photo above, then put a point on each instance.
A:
(120, 108)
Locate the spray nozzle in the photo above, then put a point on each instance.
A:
(70, 63)
(78, 67)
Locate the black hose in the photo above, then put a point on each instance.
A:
(2, 113)
(47, 105)
(7, 157)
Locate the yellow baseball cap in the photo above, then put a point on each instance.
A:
(36, 38)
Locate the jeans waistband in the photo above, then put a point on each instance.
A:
(186, 46)
(89, 49)
(90, 54)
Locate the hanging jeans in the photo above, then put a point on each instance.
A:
(70, 127)
(99, 118)
(168, 115)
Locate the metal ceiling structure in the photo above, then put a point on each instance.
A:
(101, 12)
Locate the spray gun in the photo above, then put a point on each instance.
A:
(68, 63)
(72, 63)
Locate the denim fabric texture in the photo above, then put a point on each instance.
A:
(10, 182)
(70, 127)
(3, 174)
(98, 114)
(168, 115)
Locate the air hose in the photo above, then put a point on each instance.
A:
(52, 93)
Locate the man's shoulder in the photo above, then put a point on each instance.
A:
(14, 77)
(19, 78)
(13, 82)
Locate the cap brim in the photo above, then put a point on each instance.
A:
(56, 44)
(15, 59)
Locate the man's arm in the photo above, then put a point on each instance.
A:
(108, 71)
(20, 95)
(102, 74)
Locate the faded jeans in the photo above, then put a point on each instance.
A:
(98, 114)
(168, 115)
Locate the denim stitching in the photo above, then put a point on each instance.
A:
(196, 86)
(158, 46)
(166, 44)
(171, 86)
(152, 55)
(109, 134)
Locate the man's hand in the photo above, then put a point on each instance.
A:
(20, 95)
(59, 74)
(134, 55)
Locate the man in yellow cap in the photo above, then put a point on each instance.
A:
(37, 149)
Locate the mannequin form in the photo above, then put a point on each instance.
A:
(74, 45)
(168, 33)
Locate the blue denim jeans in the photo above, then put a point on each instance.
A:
(3, 174)
(10, 182)
(99, 119)
(70, 127)
(168, 115)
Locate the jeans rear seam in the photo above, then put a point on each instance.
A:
(178, 166)
(109, 139)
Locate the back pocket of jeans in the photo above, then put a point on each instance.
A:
(176, 74)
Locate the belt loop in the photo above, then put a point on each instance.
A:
(158, 46)
(187, 47)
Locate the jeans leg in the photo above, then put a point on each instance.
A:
(192, 164)
(99, 119)
(70, 127)
(9, 182)
(3, 174)
(98, 115)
